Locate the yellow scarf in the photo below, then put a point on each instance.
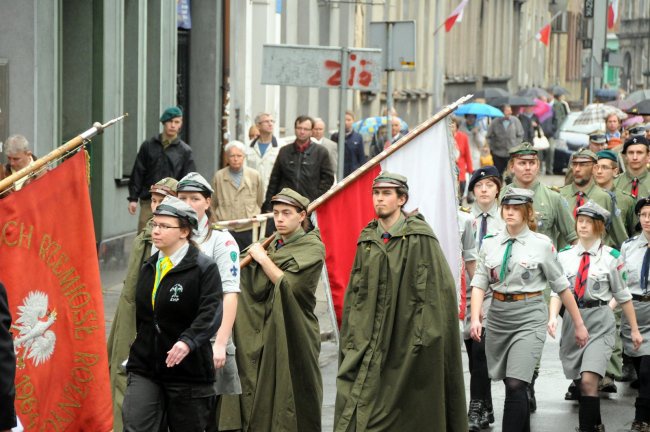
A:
(162, 268)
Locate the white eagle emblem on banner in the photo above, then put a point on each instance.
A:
(34, 340)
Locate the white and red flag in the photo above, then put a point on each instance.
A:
(427, 162)
(456, 15)
(50, 269)
(612, 14)
(544, 35)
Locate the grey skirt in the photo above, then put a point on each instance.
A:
(514, 338)
(642, 311)
(227, 377)
(594, 356)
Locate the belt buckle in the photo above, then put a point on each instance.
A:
(508, 297)
(581, 303)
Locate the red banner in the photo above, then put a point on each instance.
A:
(48, 263)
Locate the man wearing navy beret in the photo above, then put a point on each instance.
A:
(163, 155)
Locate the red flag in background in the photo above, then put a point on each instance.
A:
(456, 15)
(48, 263)
(544, 35)
(612, 14)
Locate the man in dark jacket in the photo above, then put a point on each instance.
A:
(302, 166)
(7, 366)
(399, 318)
(354, 153)
(163, 155)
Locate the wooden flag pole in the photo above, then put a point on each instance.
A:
(421, 128)
(59, 152)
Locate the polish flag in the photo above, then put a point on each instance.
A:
(612, 14)
(456, 15)
(427, 162)
(544, 34)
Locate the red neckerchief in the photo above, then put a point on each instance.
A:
(300, 148)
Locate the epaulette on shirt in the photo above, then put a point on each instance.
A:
(554, 188)
(614, 252)
(465, 209)
(631, 239)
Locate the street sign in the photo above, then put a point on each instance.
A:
(400, 55)
(315, 66)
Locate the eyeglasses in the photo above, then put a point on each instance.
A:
(163, 227)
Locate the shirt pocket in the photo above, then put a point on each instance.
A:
(543, 220)
(526, 271)
(598, 283)
(494, 270)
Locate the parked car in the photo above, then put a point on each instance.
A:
(577, 136)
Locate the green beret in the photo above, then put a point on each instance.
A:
(388, 179)
(607, 154)
(291, 197)
(166, 186)
(170, 113)
(525, 150)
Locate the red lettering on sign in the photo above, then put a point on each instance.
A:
(362, 79)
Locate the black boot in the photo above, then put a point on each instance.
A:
(488, 414)
(530, 390)
(573, 392)
(475, 414)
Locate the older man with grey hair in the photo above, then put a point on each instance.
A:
(318, 136)
(263, 150)
(19, 156)
(238, 193)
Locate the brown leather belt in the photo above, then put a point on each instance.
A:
(514, 297)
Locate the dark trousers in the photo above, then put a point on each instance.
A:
(187, 407)
(500, 163)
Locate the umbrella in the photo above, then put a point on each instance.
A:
(490, 93)
(368, 127)
(641, 108)
(558, 90)
(595, 113)
(621, 104)
(479, 110)
(543, 110)
(638, 96)
(513, 101)
(632, 120)
(534, 92)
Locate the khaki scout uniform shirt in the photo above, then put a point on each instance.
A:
(552, 213)
(624, 183)
(604, 279)
(616, 233)
(533, 263)
(632, 254)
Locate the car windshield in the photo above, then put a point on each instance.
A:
(569, 124)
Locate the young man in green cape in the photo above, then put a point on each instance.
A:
(400, 364)
(276, 331)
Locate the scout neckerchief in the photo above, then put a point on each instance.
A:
(506, 257)
(635, 187)
(393, 230)
(163, 266)
(643, 282)
(581, 277)
(580, 201)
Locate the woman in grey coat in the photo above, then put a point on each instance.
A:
(593, 270)
(517, 264)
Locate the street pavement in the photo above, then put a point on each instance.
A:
(554, 414)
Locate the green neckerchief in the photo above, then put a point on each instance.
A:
(396, 228)
(293, 237)
(506, 257)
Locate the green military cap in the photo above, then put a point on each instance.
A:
(170, 113)
(607, 154)
(166, 186)
(594, 211)
(172, 206)
(524, 150)
(583, 155)
(291, 197)
(195, 182)
(598, 137)
(387, 179)
(515, 196)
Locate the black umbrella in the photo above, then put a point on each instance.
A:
(488, 93)
(642, 108)
(557, 90)
(512, 101)
(534, 92)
